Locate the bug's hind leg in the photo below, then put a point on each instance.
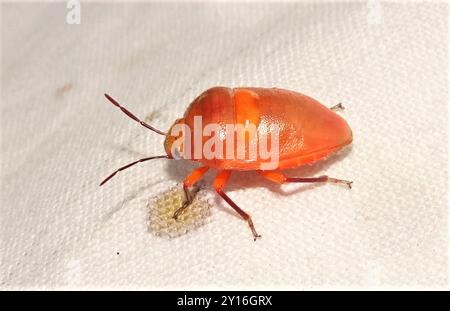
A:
(193, 178)
(281, 179)
(339, 106)
(219, 184)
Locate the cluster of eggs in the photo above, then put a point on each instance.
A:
(162, 209)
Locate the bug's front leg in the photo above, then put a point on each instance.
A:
(193, 178)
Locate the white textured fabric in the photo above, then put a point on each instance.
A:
(387, 63)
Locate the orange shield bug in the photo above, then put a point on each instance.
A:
(241, 126)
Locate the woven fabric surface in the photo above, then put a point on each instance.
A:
(386, 62)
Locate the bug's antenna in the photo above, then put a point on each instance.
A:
(132, 116)
(131, 164)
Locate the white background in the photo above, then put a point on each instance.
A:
(386, 63)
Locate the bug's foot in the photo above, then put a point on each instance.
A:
(257, 236)
(338, 107)
(179, 211)
(252, 227)
(341, 181)
(189, 198)
(183, 207)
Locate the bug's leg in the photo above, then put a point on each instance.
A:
(219, 184)
(339, 106)
(193, 177)
(281, 179)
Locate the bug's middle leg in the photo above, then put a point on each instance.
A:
(189, 181)
(281, 179)
(219, 184)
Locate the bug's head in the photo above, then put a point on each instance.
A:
(173, 143)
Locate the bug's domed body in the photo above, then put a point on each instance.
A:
(308, 131)
(285, 128)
